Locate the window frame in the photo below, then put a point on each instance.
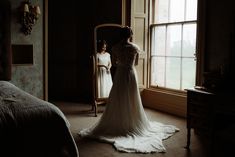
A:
(199, 49)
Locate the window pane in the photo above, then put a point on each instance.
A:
(176, 10)
(161, 11)
(173, 47)
(189, 40)
(158, 71)
(191, 10)
(173, 73)
(188, 73)
(159, 40)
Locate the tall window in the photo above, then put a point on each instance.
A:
(173, 44)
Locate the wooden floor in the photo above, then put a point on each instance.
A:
(80, 116)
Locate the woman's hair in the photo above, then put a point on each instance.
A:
(126, 32)
(100, 44)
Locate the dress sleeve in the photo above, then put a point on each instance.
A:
(137, 58)
(137, 51)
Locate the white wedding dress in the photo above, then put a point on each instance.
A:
(124, 122)
(104, 82)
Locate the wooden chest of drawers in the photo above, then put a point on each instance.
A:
(211, 114)
(200, 106)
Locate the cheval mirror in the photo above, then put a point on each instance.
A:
(110, 33)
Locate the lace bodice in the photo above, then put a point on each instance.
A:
(103, 58)
(125, 54)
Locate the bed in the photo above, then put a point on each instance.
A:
(29, 126)
(32, 127)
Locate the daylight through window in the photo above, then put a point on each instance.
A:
(173, 44)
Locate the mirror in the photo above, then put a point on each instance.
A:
(105, 36)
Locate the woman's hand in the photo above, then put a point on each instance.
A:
(107, 67)
(101, 65)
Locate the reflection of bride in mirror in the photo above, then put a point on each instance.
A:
(104, 75)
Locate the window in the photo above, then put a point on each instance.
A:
(173, 44)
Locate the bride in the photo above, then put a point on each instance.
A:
(124, 122)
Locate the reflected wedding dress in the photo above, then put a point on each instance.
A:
(124, 122)
(104, 82)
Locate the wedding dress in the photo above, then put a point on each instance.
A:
(104, 82)
(124, 122)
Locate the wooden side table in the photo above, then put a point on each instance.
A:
(199, 113)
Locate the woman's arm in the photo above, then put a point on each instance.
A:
(136, 58)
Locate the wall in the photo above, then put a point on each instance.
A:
(28, 77)
(71, 44)
(220, 42)
(220, 27)
(5, 40)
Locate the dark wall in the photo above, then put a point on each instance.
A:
(5, 40)
(220, 21)
(220, 41)
(71, 45)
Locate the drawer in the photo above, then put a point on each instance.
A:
(197, 97)
(203, 111)
(199, 100)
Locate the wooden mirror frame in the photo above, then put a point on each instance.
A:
(98, 100)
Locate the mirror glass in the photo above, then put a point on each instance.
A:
(106, 35)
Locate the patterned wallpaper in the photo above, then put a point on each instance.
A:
(28, 77)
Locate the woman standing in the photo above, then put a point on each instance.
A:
(104, 75)
(124, 122)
